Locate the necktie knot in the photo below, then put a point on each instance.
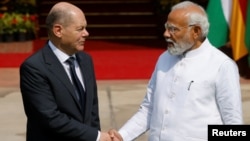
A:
(71, 60)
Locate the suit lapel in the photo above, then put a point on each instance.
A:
(55, 67)
(84, 67)
(86, 73)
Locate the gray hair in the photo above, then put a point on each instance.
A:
(195, 18)
(59, 16)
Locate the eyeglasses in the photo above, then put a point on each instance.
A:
(173, 29)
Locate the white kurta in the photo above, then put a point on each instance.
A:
(186, 94)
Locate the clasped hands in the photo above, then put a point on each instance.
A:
(111, 135)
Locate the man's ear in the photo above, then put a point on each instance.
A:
(197, 32)
(57, 30)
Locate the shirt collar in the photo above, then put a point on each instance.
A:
(197, 51)
(60, 54)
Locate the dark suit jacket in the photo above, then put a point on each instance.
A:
(52, 109)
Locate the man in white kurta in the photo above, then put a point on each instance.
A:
(193, 85)
(187, 93)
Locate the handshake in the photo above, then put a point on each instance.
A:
(111, 135)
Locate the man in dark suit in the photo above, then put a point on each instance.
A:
(55, 109)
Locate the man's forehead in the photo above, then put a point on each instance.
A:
(177, 17)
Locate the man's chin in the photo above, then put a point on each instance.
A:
(80, 48)
(174, 52)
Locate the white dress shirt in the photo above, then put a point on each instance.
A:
(187, 93)
(62, 57)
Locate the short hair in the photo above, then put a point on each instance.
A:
(59, 16)
(195, 18)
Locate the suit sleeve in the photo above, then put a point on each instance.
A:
(95, 112)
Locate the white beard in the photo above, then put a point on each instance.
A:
(179, 48)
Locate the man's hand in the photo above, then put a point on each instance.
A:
(105, 137)
(115, 136)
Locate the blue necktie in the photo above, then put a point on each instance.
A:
(76, 82)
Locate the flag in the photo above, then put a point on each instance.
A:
(219, 12)
(238, 29)
(247, 36)
(228, 23)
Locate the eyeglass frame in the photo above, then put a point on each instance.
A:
(172, 29)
